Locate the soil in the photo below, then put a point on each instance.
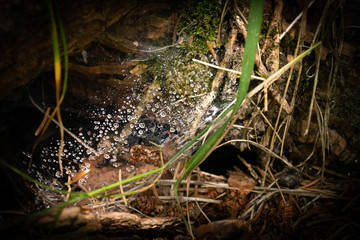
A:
(133, 99)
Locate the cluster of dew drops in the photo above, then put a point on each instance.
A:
(171, 107)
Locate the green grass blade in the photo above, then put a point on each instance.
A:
(255, 21)
(65, 49)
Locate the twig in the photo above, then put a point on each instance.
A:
(293, 22)
(66, 130)
(241, 25)
(261, 147)
(272, 41)
(322, 129)
(332, 172)
(316, 78)
(202, 212)
(273, 91)
(183, 199)
(126, 131)
(204, 105)
(122, 189)
(193, 182)
(282, 101)
(187, 205)
(42, 124)
(310, 192)
(266, 119)
(175, 29)
(69, 190)
(212, 51)
(227, 69)
(312, 152)
(240, 13)
(265, 99)
(312, 183)
(262, 69)
(254, 205)
(221, 20)
(321, 191)
(249, 167)
(303, 192)
(210, 174)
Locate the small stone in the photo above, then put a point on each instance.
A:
(289, 177)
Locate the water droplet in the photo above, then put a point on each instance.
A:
(82, 181)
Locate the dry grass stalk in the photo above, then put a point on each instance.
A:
(205, 104)
(272, 143)
(67, 130)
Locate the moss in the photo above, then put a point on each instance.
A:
(288, 42)
(200, 20)
(273, 32)
(174, 69)
(175, 72)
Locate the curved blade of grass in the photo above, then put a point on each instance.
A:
(65, 50)
(54, 12)
(255, 21)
